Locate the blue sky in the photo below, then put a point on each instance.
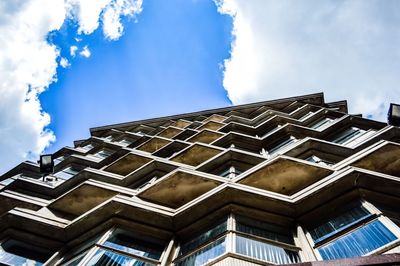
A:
(68, 65)
(168, 61)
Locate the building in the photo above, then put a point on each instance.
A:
(289, 181)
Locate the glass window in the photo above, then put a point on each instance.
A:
(17, 253)
(265, 251)
(263, 230)
(262, 249)
(109, 138)
(283, 144)
(87, 147)
(322, 124)
(206, 252)
(359, 242)
(352, 136)
(126, 248)
(307, 115)
(66, 173)
(59, 159)
(230, 172)
(350, 235)
(271, 131)
(148, 183)
(339, 223)
(202, 238)
(316, 159)
(125, 142)
(123, 241)
(102, 154)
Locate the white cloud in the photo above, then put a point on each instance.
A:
(85, 52)
(347, 49)
(112, 26)
(64, 62)
(72, 50)
(28, 66)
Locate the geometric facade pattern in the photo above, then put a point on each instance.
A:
(289, 181)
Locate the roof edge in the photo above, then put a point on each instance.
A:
(209, 111)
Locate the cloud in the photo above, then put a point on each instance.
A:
(112, 27)
(85, 52)
(64, 62)
(72, 50)
(89, 13)
(28, 64)
(347, 49)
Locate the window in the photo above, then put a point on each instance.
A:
(230, 172)
(264, 241)
(109, 138)
(270, 132)
(352, 136)
(125, 248)
(316, 159)
(121, 247)
(204, 247)
(102, 154)
(125, 142)
(59, 159)
(87, 147)
(307, 115)
(355, 232)
(17, 253)
(322, 124)
(66, 173)
(148, 183)
(283, 144)
(243, 236)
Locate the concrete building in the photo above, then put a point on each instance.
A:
(289, 181)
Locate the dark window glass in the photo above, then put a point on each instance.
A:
(202, 238)
(123, 242)
(205, 254)
(339, 223)
(347, 135)
(104, 257)
(359, 242)
(17, 253)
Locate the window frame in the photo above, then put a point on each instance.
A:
(181, 257)
(27, 245)
(230, 235)
(374, 215)
(351, 139)
(98, 244)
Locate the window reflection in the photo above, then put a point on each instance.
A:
(16, 253)
(351, 234)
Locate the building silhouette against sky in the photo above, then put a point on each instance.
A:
(288, 181)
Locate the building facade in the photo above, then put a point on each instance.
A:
(290, 181)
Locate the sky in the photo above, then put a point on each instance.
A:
(77, 64)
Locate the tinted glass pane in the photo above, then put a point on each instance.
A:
(282, 144)
(264, 251)
(358, 242)
(322, 123)
(121, 241)
(205, 254)
(104, 257)
(16, 253)
(201, 239)
(347, 135)
(264, 233)
(339, 223)
(102, 154)
(87, 147)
